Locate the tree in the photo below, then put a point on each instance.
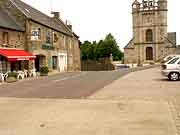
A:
(104, 48)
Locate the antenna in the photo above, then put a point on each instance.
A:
(51, 5)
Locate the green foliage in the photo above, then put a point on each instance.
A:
(44, 70)
(103, 48)
(12, 74)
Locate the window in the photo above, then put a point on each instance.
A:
(179, 62)
(149, 35)
(70, 44)
(39, 33)
(71, 60)
(55, 37)
(173, 61)
(48, 37)
(19, 37)
(5, 38)
(64, 41)
(54, 60)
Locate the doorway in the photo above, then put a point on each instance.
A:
(37, 66)
(55, 60)
(39, 62)
(149, 53)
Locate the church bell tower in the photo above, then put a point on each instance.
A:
(149, 29)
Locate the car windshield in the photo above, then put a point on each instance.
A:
(173, 61)
(170, 57)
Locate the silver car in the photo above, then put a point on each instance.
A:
(171, 69)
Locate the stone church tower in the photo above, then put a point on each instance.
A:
(150, 42)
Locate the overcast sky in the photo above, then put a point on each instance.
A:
(93, 19)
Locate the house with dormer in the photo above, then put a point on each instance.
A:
(48, 40)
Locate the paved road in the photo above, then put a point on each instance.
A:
(66, 85)
(140, 103)
(147, 85)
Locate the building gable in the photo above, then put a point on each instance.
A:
(39, 17)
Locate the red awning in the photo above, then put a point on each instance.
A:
(16, 55)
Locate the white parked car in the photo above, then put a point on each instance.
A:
(171, 69)
(167, 58)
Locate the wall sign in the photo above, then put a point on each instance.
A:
(34, 34)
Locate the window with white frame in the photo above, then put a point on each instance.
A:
(70, 44)
(64, 41)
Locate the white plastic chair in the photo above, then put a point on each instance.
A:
(34, 72)
(5, 75)
(20, 75)
(25, 73)
(2, 77)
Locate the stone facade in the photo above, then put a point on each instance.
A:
(55, 43)
(12, 38)
(151, 42)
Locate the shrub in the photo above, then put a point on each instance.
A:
(44, 70)
(12, 74)
(12, 77)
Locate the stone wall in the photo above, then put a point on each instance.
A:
(63, 44)
(103, 64)
(130, 56)
(152, 18)
(76, 50)
(16, 39)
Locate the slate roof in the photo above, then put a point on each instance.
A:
(171, 45)
(40, 17)
(7, 22)
(130, 44)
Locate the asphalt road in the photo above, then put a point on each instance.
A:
(66, 85)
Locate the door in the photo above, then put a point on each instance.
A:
(54, 58)
(62, 63)
(149, 53)
(37, 63)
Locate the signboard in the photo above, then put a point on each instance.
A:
(34, 34)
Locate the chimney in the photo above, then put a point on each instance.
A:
(56, 15)
(68, 24)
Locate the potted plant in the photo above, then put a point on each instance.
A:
(12, 77)
(44, 71)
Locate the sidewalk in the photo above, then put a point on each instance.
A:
(84, 117)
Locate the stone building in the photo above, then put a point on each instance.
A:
(151, 42)
(48, 38)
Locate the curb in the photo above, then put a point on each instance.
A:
(144, 68)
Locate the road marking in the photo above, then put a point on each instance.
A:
(69, 77)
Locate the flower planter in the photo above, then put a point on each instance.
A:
(44, 71)
(43, 74)
(11, 80)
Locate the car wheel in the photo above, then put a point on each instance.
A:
(174, 76)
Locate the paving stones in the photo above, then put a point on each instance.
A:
(80, 117)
